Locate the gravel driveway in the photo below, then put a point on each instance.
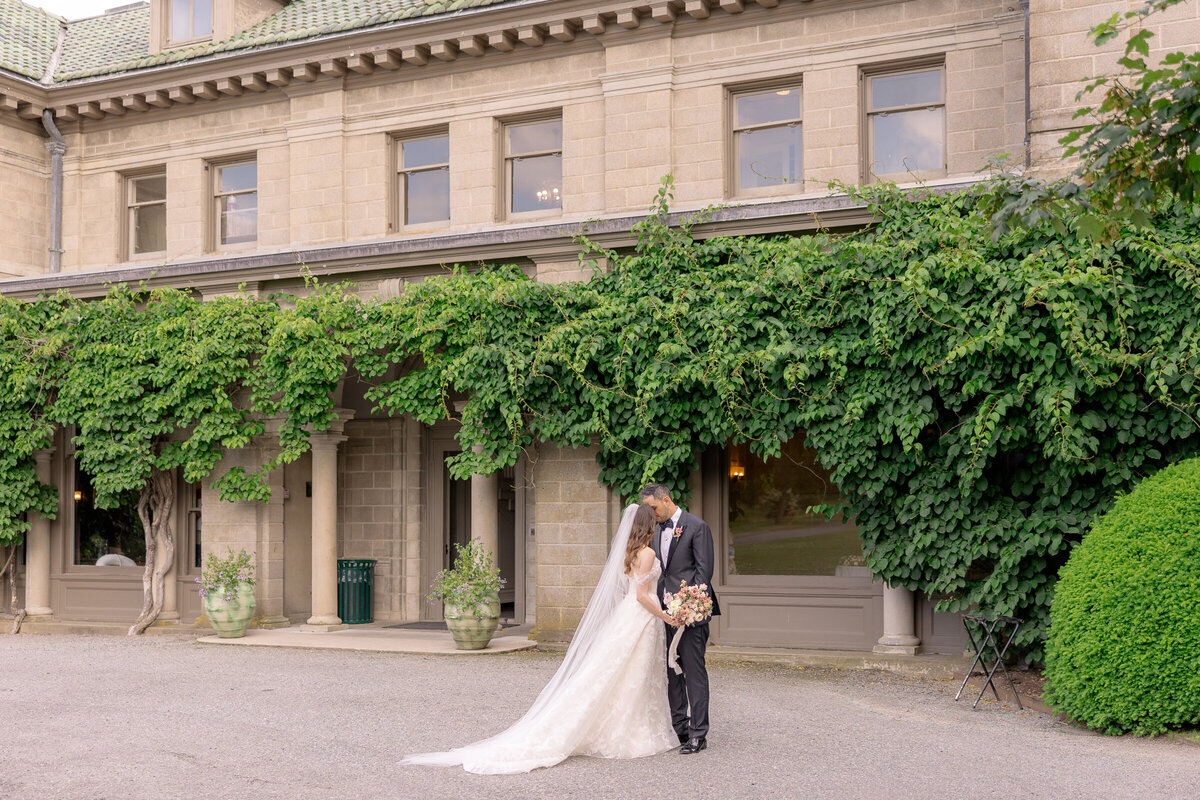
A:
(107, 717)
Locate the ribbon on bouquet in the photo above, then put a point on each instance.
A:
(673, 653)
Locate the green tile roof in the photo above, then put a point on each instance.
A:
(28, 37)
(119, 42)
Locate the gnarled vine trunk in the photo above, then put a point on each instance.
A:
(11, 571)
(156, 509)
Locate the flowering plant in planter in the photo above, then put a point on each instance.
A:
(222, 576)
(472, 582)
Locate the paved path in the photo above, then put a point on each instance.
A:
(107, 717)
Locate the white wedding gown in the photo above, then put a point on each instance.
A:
(611, 703)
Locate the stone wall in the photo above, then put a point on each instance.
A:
(369, 511)
(24, 175)
(635, 107)
(575, 521)
(1063, 58)
(253, 526)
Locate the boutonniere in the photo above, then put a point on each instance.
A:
(678, 532)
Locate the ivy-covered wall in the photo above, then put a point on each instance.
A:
(979, 396)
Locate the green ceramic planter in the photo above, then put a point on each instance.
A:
(230, 618)
(471, 630)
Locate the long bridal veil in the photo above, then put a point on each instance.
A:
(613, 585)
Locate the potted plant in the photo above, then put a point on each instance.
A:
(227, 592)
(470, 591)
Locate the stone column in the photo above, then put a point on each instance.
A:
(899, 624)
(485, 516)
(324, 527)
(37, 551)
(170, 606)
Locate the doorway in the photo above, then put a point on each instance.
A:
(448, 525)
(297, 539)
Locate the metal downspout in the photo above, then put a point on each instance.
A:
(1028, 110)
(57, 148)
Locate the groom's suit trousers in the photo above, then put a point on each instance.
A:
(690, 688)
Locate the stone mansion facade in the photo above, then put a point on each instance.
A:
(222, 146)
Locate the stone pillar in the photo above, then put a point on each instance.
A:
(37, 551)
(899, 623)
(170, 606)
(485, 516)
(324, 527)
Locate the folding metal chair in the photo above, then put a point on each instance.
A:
(989, 630)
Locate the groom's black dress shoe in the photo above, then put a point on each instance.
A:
(693, 746)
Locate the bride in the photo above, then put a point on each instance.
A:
(609, 697)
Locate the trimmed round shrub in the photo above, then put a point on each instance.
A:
(1123, 653)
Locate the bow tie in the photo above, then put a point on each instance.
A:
(662, 526)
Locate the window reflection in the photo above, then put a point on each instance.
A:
(106, 537)
(425, 179)
(908, 141)
(147, 210)
(771, 529)
(535, 183)
(237, 203)
(906, 117)
(768, 137)
(769, 157)
(913, 88)
(190, 19)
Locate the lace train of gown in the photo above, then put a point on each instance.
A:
(613, 706)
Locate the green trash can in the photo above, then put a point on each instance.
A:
(355, 579)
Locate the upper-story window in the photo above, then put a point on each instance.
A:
(235, 196)
(423, 180)
(190, 19)
(533, 166)
(145, 213)
(906, 123)
(767, 137)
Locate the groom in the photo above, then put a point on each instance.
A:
(684, 546)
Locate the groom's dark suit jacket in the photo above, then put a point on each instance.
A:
(689, 558)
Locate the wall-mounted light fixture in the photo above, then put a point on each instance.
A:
(78, 495)
(736, 468)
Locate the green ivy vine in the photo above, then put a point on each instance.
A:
(978, 395)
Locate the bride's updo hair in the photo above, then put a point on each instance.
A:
(639, 536)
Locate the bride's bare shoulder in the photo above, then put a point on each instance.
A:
(646, 555)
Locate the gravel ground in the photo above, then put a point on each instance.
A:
(107, 717)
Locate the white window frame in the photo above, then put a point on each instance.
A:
(401, 173)
(215, 195)
(733, 184)
(507, 159)
(130, 202)
(168, 16)
(866, 75)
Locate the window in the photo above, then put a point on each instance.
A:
(767, 137)
(193, 493)
(146, 213)
(235, 190)
(423, 180)
(190, 19)
(106, 537)
(533, 166)
(772, 530)
(906, 127)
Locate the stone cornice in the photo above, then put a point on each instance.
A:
(395, 47)
(423, 255)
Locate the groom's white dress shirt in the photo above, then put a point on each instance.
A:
(667, 536)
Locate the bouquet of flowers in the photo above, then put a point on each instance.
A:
(691, 605)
